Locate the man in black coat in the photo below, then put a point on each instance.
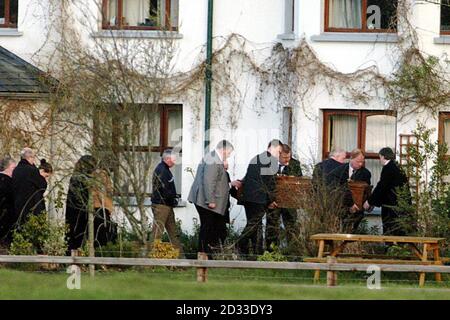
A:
(339, 177)
(322, 170)
(259, 195)
(385, 193)
(290, 167)
(28, 187)
(7, 217)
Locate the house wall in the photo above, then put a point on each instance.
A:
(260, 22)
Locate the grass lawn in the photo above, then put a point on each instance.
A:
(222, 284)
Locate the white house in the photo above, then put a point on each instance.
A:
(345, 36)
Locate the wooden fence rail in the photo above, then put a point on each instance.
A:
(205, 264)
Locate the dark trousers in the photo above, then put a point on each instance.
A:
(253, 229)
(213, 231)
(351, 222)
(273, 221)
(105, 230)
(391, 225)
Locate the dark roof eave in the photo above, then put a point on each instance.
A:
(25, 95)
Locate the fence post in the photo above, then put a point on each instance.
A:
(331, 274)
(202, 273)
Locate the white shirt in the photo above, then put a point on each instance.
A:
(387, 162)
(350, 171)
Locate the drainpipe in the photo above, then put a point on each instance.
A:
(208, 75)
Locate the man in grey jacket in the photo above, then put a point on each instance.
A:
(210, 193)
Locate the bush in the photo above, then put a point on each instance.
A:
(38, 235)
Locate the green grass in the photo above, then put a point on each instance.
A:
(222, 284)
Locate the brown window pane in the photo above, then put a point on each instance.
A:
(381, 14)
(345, 14)
(380, 132)
(343, 132)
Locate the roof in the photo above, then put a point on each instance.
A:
(21, 79)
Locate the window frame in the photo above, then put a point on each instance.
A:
(120, 26)
(164, 110)
(362, 125)
(7, 13)
(444, 115)
(364, 28)
(443, 32)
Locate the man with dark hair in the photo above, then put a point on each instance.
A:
(385, 193)
(164, 199)
(210, 193)
(339, 177)
(259, 195)
(290, 167)
(7, 217)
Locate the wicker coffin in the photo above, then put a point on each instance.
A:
(360, 192)
(291, 192)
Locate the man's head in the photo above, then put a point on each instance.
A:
(285, 155)
(169, 157)
(28, 154)
(386, 154)
(338, 154)
(45, 169)
(7, 166)
(224, 148)
(357, 159)
(274, 148)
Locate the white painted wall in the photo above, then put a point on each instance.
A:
(259, 21)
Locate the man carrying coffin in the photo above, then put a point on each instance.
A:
(259, 195)
(290, 167)
(339, 177)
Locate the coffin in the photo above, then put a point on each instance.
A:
(292, 192)
(360, 192)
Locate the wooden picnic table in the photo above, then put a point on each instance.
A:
(420, 247)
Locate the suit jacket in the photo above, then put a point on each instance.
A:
(293, 169)
(340, 176)
(28, 187)
(322, 170)
(259, 181)
(391, 178)
(211, 184)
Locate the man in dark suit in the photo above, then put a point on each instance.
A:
(322, 170)
(384, 195)
(339, 177)
(259, 195)
(290, 167)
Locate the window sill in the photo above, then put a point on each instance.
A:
(9, 32)
(140, 34)
(442, 39)
(287, 36)
(147, 202)
(355, 37)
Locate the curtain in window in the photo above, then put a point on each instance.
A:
(380, 132)
(344, 132)
(447, 133)
(345, 14)
(135, 11)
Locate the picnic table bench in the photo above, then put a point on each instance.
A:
(420, 247)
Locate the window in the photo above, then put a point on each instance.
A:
(368, 130)
(136, 149)
(140, 14)
(444, 129)
(8, 13)
(445, 16)
(361, 15)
